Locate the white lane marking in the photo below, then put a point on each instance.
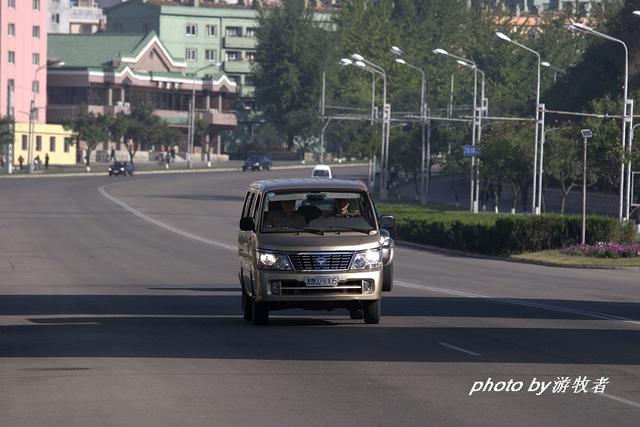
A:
(620, 399)
(591, 314)
(453, 347)
(163, 225)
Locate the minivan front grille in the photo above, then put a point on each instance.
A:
(329, 261)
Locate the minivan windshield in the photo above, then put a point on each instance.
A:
(317, 211)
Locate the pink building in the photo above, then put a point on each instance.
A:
(23, 55)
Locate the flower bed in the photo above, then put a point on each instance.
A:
(604, 250)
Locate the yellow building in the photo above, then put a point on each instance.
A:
(46, 139)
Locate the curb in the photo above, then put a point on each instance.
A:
(447, 251)
(167, 171)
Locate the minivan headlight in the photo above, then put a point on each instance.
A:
(367, 260)
(273, 261)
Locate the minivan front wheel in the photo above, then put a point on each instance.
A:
(247, 309)
(260, 312)
(372, 312)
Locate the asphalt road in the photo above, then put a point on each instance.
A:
(119, 306)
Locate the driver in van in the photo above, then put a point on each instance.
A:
(283, 214)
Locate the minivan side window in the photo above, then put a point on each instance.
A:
(247, 204)
(256, 209)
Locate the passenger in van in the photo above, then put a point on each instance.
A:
(343, 209)
(283, 214)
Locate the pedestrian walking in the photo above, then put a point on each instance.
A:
(36, 163)
(46, 161)
(167, 158)
(173, 154)
(113, 154)
(20, 161)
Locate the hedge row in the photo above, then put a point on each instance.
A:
(501, 234)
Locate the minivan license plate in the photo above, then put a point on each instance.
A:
(321, 281)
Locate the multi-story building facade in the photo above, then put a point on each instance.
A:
(23, 58)
(111, 73)
(75, 16)
(218, 34)
(540, 6)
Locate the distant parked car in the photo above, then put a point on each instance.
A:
(121, 168)
(321, 171)
(257, 163)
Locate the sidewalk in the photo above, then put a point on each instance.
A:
(147, 168)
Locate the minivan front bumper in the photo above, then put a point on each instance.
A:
(290, 287)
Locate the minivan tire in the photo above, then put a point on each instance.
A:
(372, 312)
(387, 278)
(247, 309)
(260, 312)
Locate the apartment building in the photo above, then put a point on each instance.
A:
(111, 73)
(75, 16)
(540, 6)
(214, 36)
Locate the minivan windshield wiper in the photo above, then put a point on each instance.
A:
(341, 228)
(304, 229)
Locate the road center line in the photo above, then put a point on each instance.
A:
(620, 399)
(591, 314)
(163, 225)
(453, 347)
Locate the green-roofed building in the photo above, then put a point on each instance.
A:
(220, 35)
(110, 73)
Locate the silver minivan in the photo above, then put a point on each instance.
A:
(314, 244)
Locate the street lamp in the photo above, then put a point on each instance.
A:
(535, 204)
(425, 154)
(192, 114)
(556, 69)
(33, 109)
(627, 115)
(360, 62)
(476, 133)
(586, 134)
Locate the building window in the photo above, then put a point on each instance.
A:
(211, 30)
(35, 86)
(191, 55)
(36, 4)
(232, 56)
(234, 78)
(12, 4)
(210, 55)
(250, 32)
(35, 31)
(52, 144)
(145, 27)
(191, 30)
(38, 143)
(35, 59)
(12, 29)
(248, 80)
(250, 56)
(24, 142)
(233, 32)
(55, 18)
(67, 143)
(11, 57)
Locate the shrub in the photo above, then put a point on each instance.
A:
(501, 234)
(604, 250)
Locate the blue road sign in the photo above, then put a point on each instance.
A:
(471, 151)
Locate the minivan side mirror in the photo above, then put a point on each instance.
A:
(247, 224)
(387, 221)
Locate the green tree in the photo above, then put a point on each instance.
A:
(91, 128)
(291, 54)
(6, 130)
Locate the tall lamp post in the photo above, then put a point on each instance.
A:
(192, 114)
(627, 114)
(476, 132)
(33, 109)
(535, 209)
(425, 154)
(556, 69)
(586, 134)
(362, 63)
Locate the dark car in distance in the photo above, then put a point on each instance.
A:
(121, 168)
(257, 162)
